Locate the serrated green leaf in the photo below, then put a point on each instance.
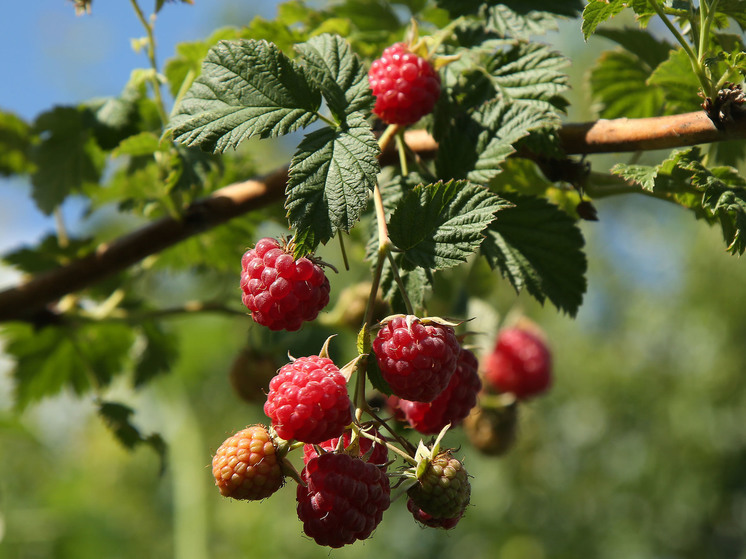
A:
(15, 144)
(537, 246)
(53, 358)
(338, 73)
(569, 8)
(677, 82)
(509, 23)
(66, 158)
(619, 83)
(476, 145)
(450, 221)
(598, 11)
(643, 175)
(330, 178)
(247, 88)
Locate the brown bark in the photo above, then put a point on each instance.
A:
(29, 300)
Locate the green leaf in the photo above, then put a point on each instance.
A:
(677, 81)
(159, 354)
(117, 417)
(735, 9)
(373, 373)
(524, 71)
(57, 357)
(144, 143)
(537, 246)
(48, 254)
(642, 44)
(66, 158)
(643, 175)
(338, 72)
(330, 178)
(619, 83)
(475, 146)
(247, 88)
(598, 11)
(450, 221)
(15, 144)
(569, 8)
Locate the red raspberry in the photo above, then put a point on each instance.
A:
(520, 364)
(452, 405)
(281, 292)
(379, 455)
(308, 400)
(423, 518)
(405, 85)
(246, 466)
(416, 357)
(344, 499)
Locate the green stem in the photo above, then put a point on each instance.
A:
(402, 149)
(399, 283)
(696, 65)
(153, 63)
(327, 120)
(393, 448)
(62, 237)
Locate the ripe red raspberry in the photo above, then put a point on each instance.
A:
(308, 400)
(520, 364)
(247, 465)
(452, 405)
(417, 357)
(423, 518)
(405, 85)
(443, 489)
(281, 292)
(344, 499)
(379, 454)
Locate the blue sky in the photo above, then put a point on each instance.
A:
(49, 56)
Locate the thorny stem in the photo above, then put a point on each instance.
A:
(152, 58)
(399, 283)
(381, 423)
(707, 14)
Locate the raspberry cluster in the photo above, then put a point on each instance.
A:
(406, 86)
(280, 291)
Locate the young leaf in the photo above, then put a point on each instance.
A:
(247, 88)
(450, 220)
(537, 246)
(598, 11)
(66, 158)
(338, 72)
(330, 178)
